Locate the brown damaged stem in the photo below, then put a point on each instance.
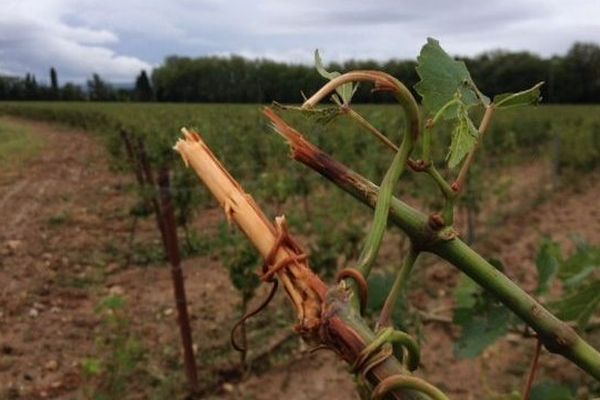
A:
(325, 316)
(305, 289)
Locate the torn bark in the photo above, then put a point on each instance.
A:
(325, 316)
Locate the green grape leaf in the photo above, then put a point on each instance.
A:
(466, 292)
(547, 263)
(531, 96)
(481, 327)
(345, 91)
(579, 305)
(321, 115)
(464, 138)
(379, 286)
(442, 79)
(586, 259)
(321, 69)
(551, 391)
(483, 320)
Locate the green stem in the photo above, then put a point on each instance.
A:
(370, 128)
(440, 181)
(385, 317)
(557, 336)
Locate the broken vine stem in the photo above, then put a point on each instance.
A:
(556, 335)
(325, 315)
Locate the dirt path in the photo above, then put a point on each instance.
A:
(66, 226)
(46, 315)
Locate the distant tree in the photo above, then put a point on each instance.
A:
(577, 74)
(71, 92)
(54, 89)
(4, 88)
(98, 90)
(143, 89)
(31, 87)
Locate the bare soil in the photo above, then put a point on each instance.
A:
(66, 228)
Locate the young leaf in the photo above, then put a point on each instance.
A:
(547, 263)
(481, 327)
(523, 98)
(580, 305)
(483, 320)
(464, 138)
(442, 78)
(551, 391)
(580, 265)
(321, 115)
(465, 294)
(345, 91)
(380, 285)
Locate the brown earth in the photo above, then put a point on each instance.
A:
(67, 226)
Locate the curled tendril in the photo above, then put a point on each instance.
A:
(386, 82)
(269, 270)
(361, 282)
(406, 382)
(371, 354)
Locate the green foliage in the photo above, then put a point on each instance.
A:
(443, 79)
(242, 260)
(464, 138)
(345, 91)
(332, 242)
(91, 367)
(449, 92)
(527, 97)
(483, 320)
(118, 355)
(16, 144)
(59, 219)
(579, 305)
(551, 391)
(575, 269)
(579, 276)
(547, 263)
(147, 253)
(380, 284)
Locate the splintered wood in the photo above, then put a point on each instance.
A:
(304, 288)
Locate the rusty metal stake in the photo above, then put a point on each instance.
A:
(172, 249)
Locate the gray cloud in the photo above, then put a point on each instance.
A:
(34, 37)
(117, 38)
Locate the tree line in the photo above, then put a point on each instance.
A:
(571, 78)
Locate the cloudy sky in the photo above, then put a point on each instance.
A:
(119, 38)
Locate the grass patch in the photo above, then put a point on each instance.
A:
(59, 219)
(17, 144)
